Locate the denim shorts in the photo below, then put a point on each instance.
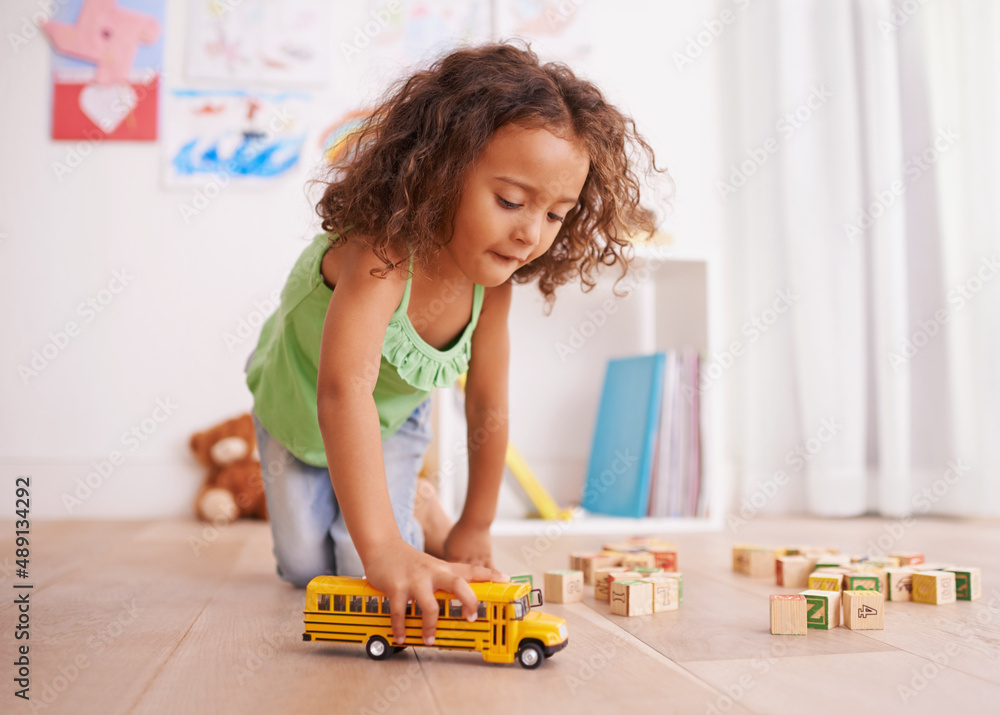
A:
(310, 536)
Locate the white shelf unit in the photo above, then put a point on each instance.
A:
(556, 375)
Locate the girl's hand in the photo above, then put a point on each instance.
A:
(404, 574)
(469, 545)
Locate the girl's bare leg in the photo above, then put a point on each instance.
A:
(435, 522)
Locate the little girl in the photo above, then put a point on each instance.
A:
(486, 169)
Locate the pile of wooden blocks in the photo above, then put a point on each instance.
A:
(857, 587)
(636, 577)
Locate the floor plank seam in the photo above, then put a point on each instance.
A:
(162, 665)
(430, 688)
(208, 601)
(930, 659)
(644, 647)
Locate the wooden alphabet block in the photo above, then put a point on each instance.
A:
(866, 580)
(835, 570)
(575, 557)
(760, 563)
(678, 577)
(649, 571)
(640, 559)
(523, 578)
(822, 581)
(629, 546)
(833, 561)
(888, 562)
(588, 562)
(936, 566)
(793, 571)
(621, 576)
(632, 598)
(741, 559)
(615, 557)
(666, 593)
(788, 615)
(908, 558)
(864, 610)
(968, 583)
(601, 581)
(816, 556)
(564, 586)
(822, 609)
(899, 584)
(664, 554)
(935, 587)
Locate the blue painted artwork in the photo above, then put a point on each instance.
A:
(239, 134)
(255, 155)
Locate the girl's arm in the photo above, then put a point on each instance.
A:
(486, 415)
(350, 355)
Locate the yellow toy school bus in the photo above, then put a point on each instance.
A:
(348, 610)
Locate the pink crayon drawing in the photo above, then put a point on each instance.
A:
(106, 35)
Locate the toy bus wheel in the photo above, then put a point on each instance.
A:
(377, 648)
(530, 655)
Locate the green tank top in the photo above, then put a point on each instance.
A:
(282, 373)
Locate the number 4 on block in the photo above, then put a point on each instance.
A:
(864, 610)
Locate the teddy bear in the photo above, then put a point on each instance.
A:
(233, 487)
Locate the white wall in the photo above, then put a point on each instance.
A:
(162, 338)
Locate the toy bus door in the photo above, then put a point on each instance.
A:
(499, 629)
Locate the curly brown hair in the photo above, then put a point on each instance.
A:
(399, 182)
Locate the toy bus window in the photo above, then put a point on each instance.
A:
(371, 604)
(385, 604)
(323, 602)
(416, 609)
(340, 602)
(441, 610)
(455, 608)
(356, 604)
(518, 610)
(482, 610)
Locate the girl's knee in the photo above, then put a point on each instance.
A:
(302, 559)
(300, 571)
(299, 579)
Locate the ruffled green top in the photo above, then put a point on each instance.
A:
(283, 372)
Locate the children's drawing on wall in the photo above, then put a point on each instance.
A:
(557, 29)
(106, 64)
(237, 134)
(335, 139)
(278, 42)
(403, 34)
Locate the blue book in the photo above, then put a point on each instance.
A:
(621, 457)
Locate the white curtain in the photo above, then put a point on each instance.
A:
(861, 190)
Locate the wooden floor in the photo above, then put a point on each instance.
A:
(175, 617)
